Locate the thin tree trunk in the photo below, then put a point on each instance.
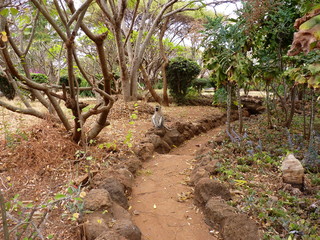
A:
(292, 109)
(153, 93)
(229, 92)
(239, 110)
(165, 63)
(311, 124)
(304, 112)
(4, 217)
(268, 106)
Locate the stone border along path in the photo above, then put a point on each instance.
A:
(160, 197)
(162, 204)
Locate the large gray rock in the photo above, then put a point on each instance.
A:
(207, 188)
(97, 199)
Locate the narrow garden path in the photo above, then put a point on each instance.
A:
(160, 201)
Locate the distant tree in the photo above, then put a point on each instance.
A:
(180, 74)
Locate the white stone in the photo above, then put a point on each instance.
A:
(292, 170)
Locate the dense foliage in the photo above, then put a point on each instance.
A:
(39, 78)
(180, 74)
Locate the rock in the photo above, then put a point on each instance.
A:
(216, 211)
(211, 167)
(159, 145)
(127, 229)
(239, 227)
(97, 199)
(94, 227)
(314, 207)
(179, 126)
(133, 165)
(116, 191)
(207, 188)
(110, 235)
(126, 178)
(174, 136)
(292, 171)
(119, 213)
(198, 174)
(144, 151)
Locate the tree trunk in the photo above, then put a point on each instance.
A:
(311, 123)
(6, 233)
(229, 100)
(268, 106)
(153, 93)
(165, 61)
(239, 110)
(292, 109)
(304, 112)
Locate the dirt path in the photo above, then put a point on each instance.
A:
(155, 206)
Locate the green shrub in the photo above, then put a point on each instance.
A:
(39, 78)
(6, 88)
(64, 80)
(201, 83)
(220, 96)
(85, 93)
(180, 73)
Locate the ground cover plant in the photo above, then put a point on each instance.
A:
(251, 166)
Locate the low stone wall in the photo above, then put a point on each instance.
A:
(211, 196)
(163, 140)
(106, 215)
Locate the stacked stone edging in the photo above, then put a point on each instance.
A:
(106, 216)
(163, 140)
(211, 196)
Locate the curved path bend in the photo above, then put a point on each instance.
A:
(154, 203)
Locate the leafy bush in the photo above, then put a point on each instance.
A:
(39, 78)
(200, 83)
(85, 93)
(64, 80)
(220, 96)
(6, 88)
(180, 73)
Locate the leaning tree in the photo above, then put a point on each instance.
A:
(66, 22)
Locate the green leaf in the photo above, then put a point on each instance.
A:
(50, 236)
(5, 12)
(134, 116)
(14, 11)
(59, 196)
(30, 205)
(70, 191)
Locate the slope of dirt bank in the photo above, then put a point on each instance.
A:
(161, 203)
